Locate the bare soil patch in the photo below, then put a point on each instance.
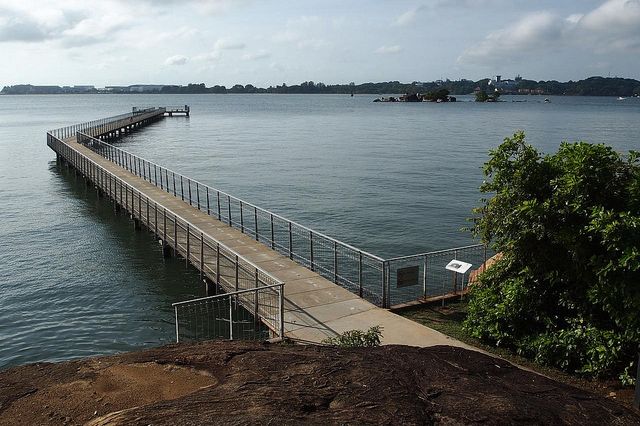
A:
(248, 383)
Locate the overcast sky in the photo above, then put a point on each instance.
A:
(270, 42)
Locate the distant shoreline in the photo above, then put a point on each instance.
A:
(592, 86)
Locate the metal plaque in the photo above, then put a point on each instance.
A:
(408, 277)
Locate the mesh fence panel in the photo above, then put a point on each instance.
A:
(424, 276)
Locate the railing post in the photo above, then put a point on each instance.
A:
(281, 311)
(219, 213)
(335, 262)
(313, 267)
(189, 181)
(217, 264)
(384, 284)
(177, 327)
(237, 274)
(188, 239)
(230, 317)
(198, 194)
(174, 184)
(229, 208)
(255, 218)
(455, 276)
(255, 302)
(201, 256)
(424, 277)
(181, 188)
(208, 207)
(241, 218)
(273, 241)
(290, 242)
(175, 234)
(161, 185)
(164, 226)
(360, 273)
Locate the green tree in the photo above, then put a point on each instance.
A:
(567, 290)
(442, 94)
(482, 96)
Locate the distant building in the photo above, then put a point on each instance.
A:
(85, 88)
(504, 86)
(142, 88)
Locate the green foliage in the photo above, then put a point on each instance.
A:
(482, 96)
(357, 338)
(567, 291)
(442, 94)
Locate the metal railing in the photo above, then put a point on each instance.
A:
(365, 274)
(253, 314)
(423, 276)
(104, 125)
(354, 269)
(214, 260)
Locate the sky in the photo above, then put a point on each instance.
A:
(270, 42)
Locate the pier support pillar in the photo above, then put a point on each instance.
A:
(210, 287)
(167, 251)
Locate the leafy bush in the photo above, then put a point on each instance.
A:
(357, 338)
(567, 290)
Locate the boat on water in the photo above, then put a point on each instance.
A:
(620, 98)
(546, 100)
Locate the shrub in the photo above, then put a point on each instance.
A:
(357, 338)
(567, 290)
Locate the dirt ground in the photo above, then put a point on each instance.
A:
(248, 383)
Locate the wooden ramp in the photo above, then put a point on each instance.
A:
(314, 309)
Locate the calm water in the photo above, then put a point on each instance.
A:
(393, 179)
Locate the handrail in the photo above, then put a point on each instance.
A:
(177, 216)
(270, 314)
(248, 204)
(71, 130)
(368, 275)
(432, 253)
(357, 270)
(233, 293)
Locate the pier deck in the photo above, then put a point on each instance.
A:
(314, 309)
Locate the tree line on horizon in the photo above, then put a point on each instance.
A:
(592, 86)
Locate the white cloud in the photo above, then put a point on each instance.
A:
(532, 32)
(73, 23)
(613, 26)
(228, 44)
(407, 17)
(176, 60)
(389, 50)
(262, 54)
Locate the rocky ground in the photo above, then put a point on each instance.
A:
(248, 383)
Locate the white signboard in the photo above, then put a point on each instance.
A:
(458, 266)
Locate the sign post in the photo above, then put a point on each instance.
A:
(456, 267)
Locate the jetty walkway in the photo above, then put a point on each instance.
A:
(312, 286)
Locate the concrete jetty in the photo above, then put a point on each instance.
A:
(230, 257)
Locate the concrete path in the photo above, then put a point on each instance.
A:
(315, 308)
